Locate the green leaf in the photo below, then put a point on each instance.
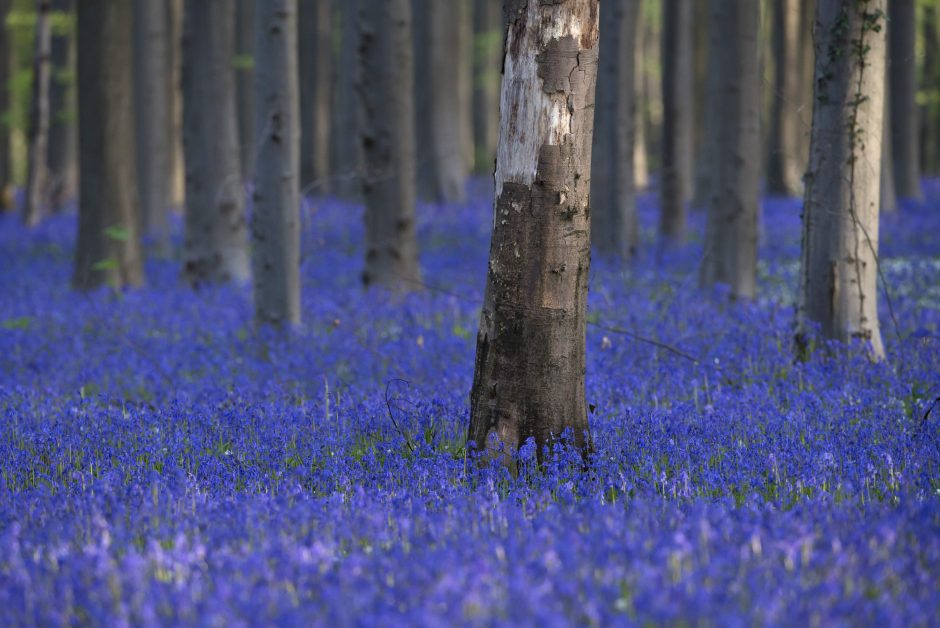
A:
(118, 233)
(243, 62)
(22, 322)
(109, 263)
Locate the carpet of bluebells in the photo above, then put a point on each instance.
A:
(163, 462)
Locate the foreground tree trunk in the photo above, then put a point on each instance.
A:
(345, 126)
(530, 359)
(315, 33)
(108, 247)
(613, 197)
(63, 139)
(386, 91)
(36, 205)
(275, 223)
(152, 101)
(678, 111)
(902, 89)
(734, 108)
(785, 163)
(216, 247)
(838, 271)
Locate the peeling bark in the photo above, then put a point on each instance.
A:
(530, 358)
(838, 273)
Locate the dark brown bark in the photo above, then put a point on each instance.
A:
(678, 112)
(154, 130)
(216, 246)
(244, 62)
(36, 205)
(108, 247)
(838, 270)
(316, 59)
(902, 91)
(487, 42)
(62, 158)
(388, 136)
(733, 104)
(530, 359)
(345, 126)
(613, 197)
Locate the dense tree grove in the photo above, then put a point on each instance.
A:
(469, 312)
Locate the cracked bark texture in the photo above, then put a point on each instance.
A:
(838, 273)
(316, 59)
(614, 222)
(275, 226)
(107, 247)
(530, 355)
(152, 103)
(902, 90)
(36, 202)
(216, 244)
(386, 92)
(678, 110)
(733, 104)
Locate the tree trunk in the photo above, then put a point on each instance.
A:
(613, 197)
(704, 132)
(386, 91)
(152, 101)
(36, 204)
(108, 246)
(275, 223)
(442, 166)
(244, 63)
(6, 170)
(216, 247)
(930, 81)
(902, 91)
(678, 112)
(346, 181)
(63, 135)
(888, 194)
(315, 32)
(177, 169)
(785, 164)
(644, 100)
(733, 97)
(530, 358)
(487, 38)
(840, 216)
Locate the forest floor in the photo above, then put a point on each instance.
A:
(162, 462)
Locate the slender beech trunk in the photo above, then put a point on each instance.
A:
(108, 244)
(177, 169)
(36, 205)
(644, 101)
(152, 102)
(530, 359)
(785, 164)
(734, 110)
(62, 153)
(386, 91)
(216, 246)
(704, 131)
(315, 34)
(888, 194)
(442, 164)
(930, 79)
(678, 112)
(840, 215)
(6, 170)
(346, 180)
(613, 197)
(244, 63)
(902, 90)
(275, 225)
(487, 40)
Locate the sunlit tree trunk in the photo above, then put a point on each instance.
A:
(315, 31)
(386, 92)
(63, 134)
(275, 226)
(733, 97)
(36, 204)
(216, 246)
(152, 102)
(678, 112)
(530, 354)
(108, 244)
(613, 197)
(902, 90)
(177, 170)
(838, 271)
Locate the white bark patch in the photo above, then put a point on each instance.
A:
(528, 116)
